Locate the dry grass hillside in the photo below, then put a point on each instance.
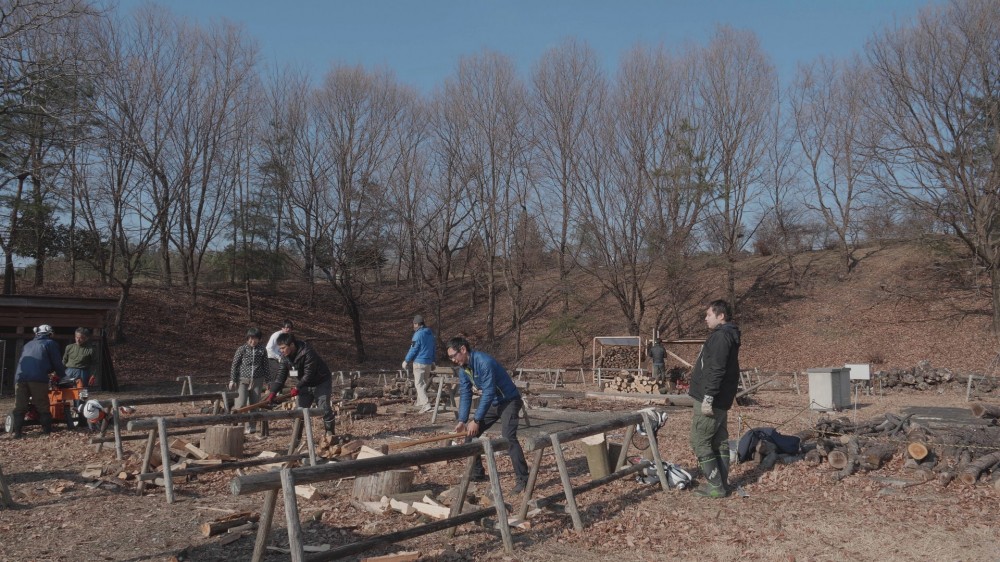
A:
(903, 303)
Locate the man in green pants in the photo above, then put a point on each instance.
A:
(714, 381)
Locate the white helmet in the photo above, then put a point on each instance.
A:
(93, 411)
(43, 329)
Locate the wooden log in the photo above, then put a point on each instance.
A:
(981, 410)
(970, 474)
(222, 525)
(917, 450)
(875, 456)
(813, 457)
(596, 449)
(387, 483)
(5, 500)
(405, 444)
(223, 440)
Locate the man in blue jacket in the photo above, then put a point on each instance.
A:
(421, 355)
(40, 364)
(500, 401)
(714, 380)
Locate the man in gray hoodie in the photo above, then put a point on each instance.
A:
(714, 381)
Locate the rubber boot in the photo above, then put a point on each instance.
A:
(723, 459)
(17, 422)
(46, 421)
(330, 425)
(712, 488)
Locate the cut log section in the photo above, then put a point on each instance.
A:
(223, 440)
(917, 450)
(387, 483)
(223, 524)
(986, 411)
(970, 474)
(596, 448)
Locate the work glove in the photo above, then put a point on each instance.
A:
(405, 365)
(271, 397)
(232, 385)
(294, 392)
(706, 406)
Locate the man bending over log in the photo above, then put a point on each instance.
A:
(314, 381)
(500, 401)
(714, 381)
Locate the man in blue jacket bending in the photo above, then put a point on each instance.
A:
(39, 365)
(421, 355)
(500, 401)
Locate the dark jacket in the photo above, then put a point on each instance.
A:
(657, 354)
(249, 364)
(311, 367)
(486, 374)
(716, 371)
(39, 358)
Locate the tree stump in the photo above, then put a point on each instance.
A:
(223, 440)
(596, 448)
(5, 500)
(387, 483)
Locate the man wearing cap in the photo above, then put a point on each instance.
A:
(421, 355)
(39, 364)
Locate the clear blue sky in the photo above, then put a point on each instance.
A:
(422, 40)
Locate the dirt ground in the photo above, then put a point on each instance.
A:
(793, 512)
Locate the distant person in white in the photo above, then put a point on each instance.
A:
(274, 356)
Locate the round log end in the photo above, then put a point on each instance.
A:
(837, 459)
(917, 450)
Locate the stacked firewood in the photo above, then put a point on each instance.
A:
(618, 357)
(931, 450)
(626, 381)
(924, 377)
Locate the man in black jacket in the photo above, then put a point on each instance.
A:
(314, 382)
(714, 381)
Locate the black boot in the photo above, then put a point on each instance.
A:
(330, 425)
(713, 487)
(17, 422)
(46, 421)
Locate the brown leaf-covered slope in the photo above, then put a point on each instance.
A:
(902, 303)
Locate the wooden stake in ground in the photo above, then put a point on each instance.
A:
(5, 500)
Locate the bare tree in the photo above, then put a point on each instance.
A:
(738, 86)
(938, 109)
(833, 133)
(568, 90)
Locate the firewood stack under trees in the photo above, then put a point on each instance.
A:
(618, 357)
(929, 450)
(626, 381)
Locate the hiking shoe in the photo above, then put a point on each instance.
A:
(425, 408)
(479, 478)
(521, 484)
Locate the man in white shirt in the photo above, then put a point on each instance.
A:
(274, 356)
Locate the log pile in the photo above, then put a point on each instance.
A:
(926, 377)
(618, 357)
(626, 381)
(938, 451)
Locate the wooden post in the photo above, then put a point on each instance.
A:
(437, 399)
(292, 515)
(567, 484)
(307, 424)
(491, 464)
(168, 480)
(463, 489)
(529, 488)
(116, 419)
(623, 454)
(647, 421)
(264, 526)
(141, 486)
(225, 403)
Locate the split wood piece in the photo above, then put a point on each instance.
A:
(410, 497)
(407, 556)
(197, 452)
(223, 524)
(386, 483)
(596, 449)
(970, 474)
(307, 491)
(405, 444)
(986, 411)
(366, 452)
(92, 471)
(223, 440)
(370, 507)
(403, 507)
(432, 510)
